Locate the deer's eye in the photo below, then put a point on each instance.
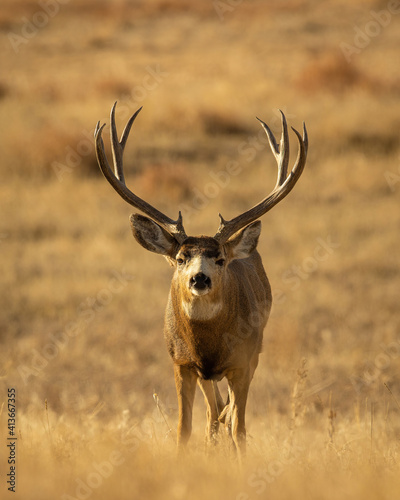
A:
(220, 262)
(180, 262)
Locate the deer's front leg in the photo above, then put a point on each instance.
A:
(239, 382)
(185, 381)
(215, 405)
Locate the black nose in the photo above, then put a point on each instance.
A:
(200, 281)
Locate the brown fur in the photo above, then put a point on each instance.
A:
(228, 345)
(214, 347)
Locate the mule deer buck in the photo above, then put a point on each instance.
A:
(220, 297)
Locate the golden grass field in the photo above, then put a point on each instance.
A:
(82, 304)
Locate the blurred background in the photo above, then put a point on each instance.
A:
(82, 304)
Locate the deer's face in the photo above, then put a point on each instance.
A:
(200, 265)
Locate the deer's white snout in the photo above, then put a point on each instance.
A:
(200, 272)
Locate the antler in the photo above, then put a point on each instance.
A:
(117, 180)
(284, 183)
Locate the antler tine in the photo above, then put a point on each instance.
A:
(302, 154)
(280, 152)
(284, 184)
(117, 179)
(119, 146)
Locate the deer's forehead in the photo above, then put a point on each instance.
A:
(202, 246)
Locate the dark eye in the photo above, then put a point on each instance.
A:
(220, 262)
(180, 261)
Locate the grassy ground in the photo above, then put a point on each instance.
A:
(82, 304)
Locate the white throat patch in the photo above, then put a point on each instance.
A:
(201, 309)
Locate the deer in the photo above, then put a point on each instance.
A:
(220, 296)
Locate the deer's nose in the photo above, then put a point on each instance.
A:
(200, 281)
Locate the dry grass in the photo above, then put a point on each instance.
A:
(326, 429)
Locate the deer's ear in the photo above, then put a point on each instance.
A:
(245, 241)
(152, 237)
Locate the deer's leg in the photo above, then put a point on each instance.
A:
(214, 405)
(226, 414)
(239, 382)
(185, 381)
